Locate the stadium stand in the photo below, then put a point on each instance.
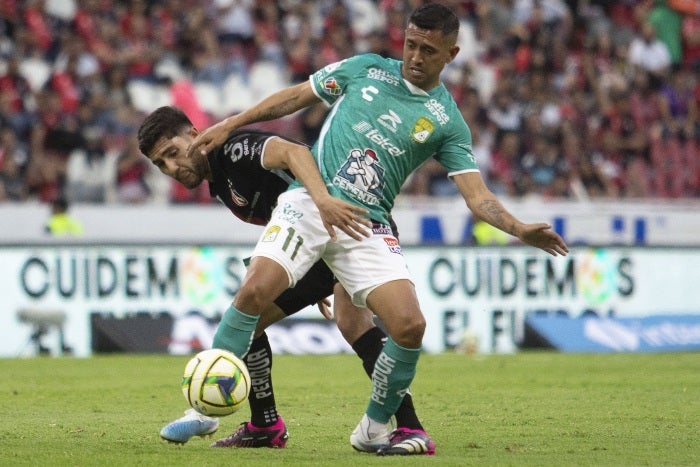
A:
(608, 90)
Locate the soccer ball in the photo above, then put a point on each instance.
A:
(216, 383)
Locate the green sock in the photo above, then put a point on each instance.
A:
(235, 332)
(393, 373)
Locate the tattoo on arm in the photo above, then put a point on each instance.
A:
(493, 212)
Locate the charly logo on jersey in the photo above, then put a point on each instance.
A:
(362, 176)
(367, 92)
(372, 134)
(438, 110)
(390, 121)
(422, 130)
(383, 75)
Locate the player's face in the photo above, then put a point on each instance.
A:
(425, 54)
(170, 156)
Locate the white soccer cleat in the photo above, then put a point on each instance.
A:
(370, 435)
(192, 424)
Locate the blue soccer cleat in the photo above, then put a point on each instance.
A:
(192, 424)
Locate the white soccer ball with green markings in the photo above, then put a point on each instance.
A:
(216, 383)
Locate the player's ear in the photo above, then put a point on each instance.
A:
(454, 50)
(193, 131)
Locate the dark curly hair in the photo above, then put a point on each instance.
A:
(164, 122)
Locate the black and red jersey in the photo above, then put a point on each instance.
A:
(241, 182)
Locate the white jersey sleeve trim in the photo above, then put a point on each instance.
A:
(262, 153)
(458, 172)
(280, 173)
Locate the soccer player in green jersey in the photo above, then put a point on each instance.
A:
(387, 117)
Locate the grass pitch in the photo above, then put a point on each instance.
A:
(530, 409)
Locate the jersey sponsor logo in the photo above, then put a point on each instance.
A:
(331, 86)
(393, 245)
(422, 130)
(438, 110)
(470, 154)
(390, 121)
(333, 66)
(271, 233)
(381, 229)
(376, 137)
(237, 150)
(366, 93)
(383, 75)
(289, 214)
(236, 197)
(362, 176)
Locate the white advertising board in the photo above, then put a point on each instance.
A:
(421, 221)
(483, 292)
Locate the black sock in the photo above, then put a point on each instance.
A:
(263, 411)
(368, 347)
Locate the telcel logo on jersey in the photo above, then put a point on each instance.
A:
(373, 135)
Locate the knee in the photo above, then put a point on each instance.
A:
(353, 323)
(409, 332)
(252, 298)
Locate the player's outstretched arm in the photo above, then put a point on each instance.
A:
(484, 204)
(282, 103)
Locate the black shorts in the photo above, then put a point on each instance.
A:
(316, 285)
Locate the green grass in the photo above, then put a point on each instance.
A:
(536, 409)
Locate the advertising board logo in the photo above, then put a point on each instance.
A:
(201, 275)
(596, 276)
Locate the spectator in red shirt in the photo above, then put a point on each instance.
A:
(16, 85)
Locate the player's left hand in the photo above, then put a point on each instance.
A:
(207, 140)
(324, 306)
(542, 236)
(347, 217)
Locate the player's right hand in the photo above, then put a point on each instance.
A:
(347, 217)
(324, 306)
(209, 139)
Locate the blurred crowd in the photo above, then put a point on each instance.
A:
(565, 99)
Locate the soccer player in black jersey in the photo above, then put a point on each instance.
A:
(247, 173)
